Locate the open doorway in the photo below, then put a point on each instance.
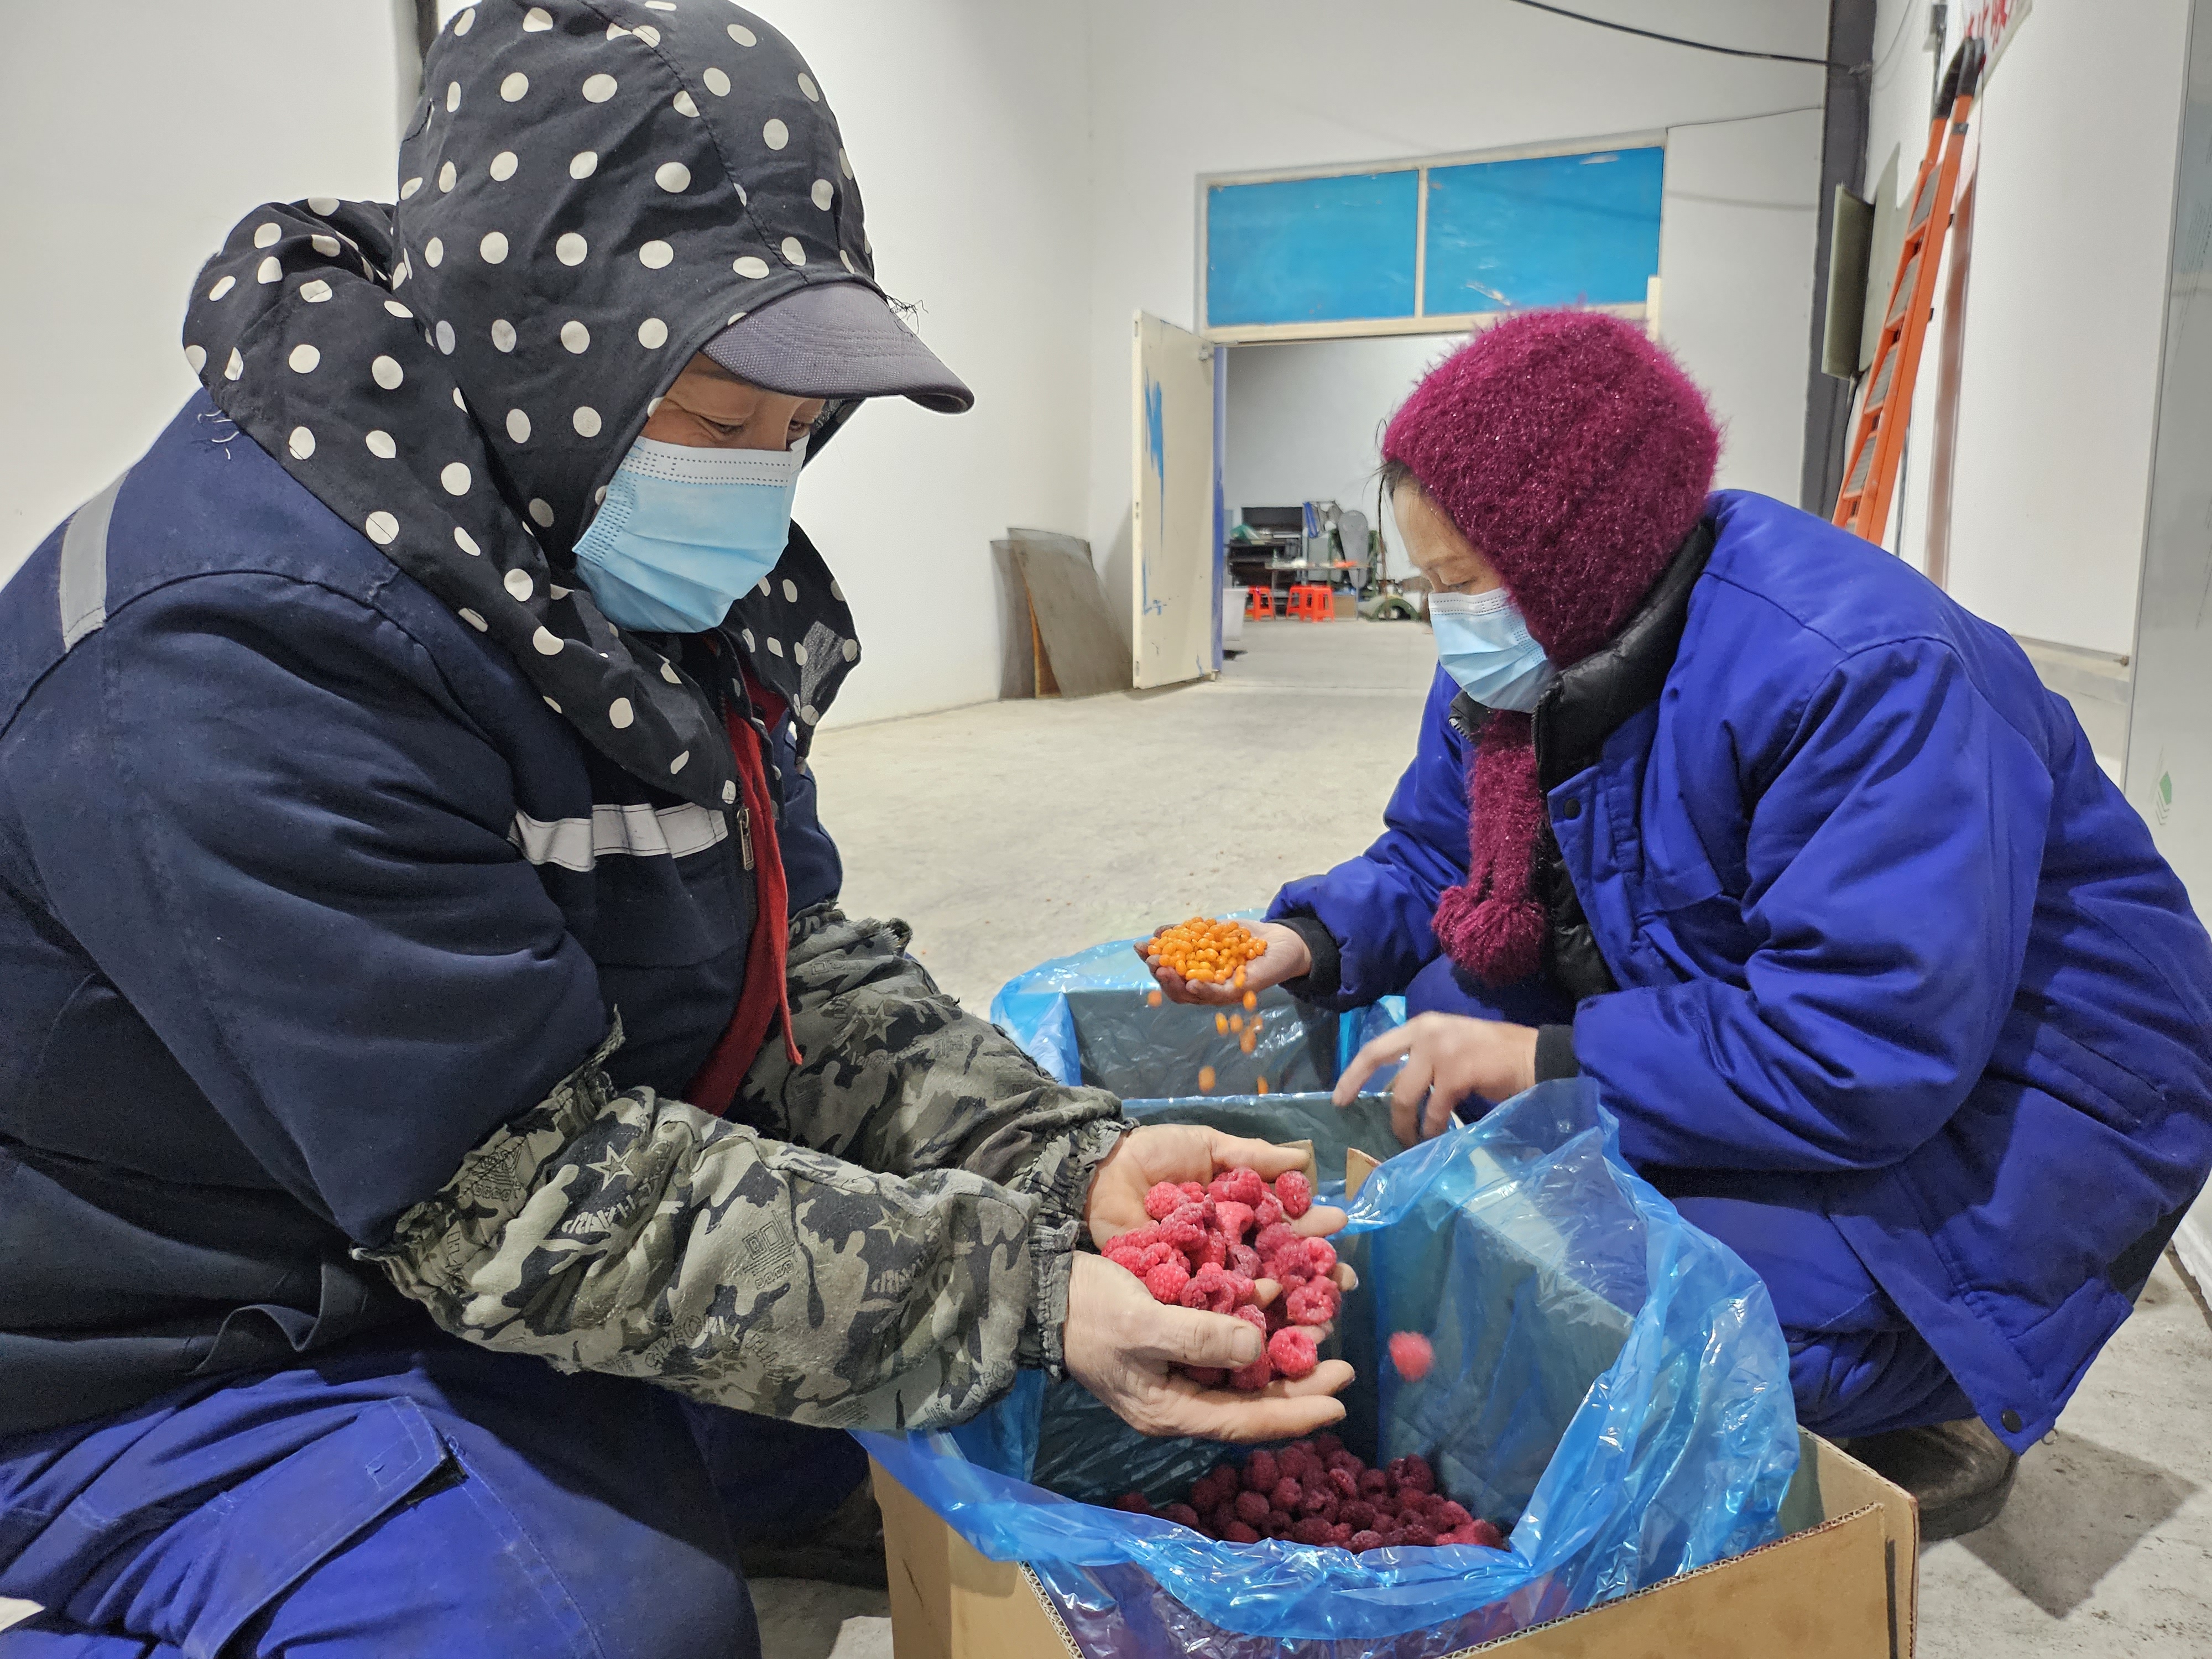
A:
(1303, 422)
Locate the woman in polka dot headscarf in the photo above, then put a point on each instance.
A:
(419, 955)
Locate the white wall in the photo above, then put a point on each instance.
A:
(1179, 90)
(1305, 421)
(2058, 379)
(2065, 315)
(966, 125)
(1737, 235)
(132, 137)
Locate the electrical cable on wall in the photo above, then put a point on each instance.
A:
(1700, 46)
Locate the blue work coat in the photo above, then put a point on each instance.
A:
(1891, 950)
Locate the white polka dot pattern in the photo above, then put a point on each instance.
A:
(556, 147)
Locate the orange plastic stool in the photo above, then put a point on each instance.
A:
(1259, 601)
(1310, 602)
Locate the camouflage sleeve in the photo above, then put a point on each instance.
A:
(616, 1232)
(897, 1076)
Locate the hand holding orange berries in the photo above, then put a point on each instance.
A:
(1215, 963)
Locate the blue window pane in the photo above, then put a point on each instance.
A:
(1311, 250)
(1546, 231)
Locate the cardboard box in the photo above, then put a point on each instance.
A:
(1840, 1584)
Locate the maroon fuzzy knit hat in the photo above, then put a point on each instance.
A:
(1573, 454)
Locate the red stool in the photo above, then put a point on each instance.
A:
(1260, 602)
(1310, 602)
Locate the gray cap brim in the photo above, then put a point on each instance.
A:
(837, 339)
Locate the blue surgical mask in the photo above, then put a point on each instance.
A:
(684, 532)
(1485, 646)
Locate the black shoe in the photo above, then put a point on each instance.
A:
(1960, 1473)
(846, 1548)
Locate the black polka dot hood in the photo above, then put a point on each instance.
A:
(590, 191)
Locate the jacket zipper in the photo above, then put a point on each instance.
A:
(744, 817)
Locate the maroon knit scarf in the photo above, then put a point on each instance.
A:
(1493, 926)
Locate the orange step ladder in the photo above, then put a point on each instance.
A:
(1877, 445)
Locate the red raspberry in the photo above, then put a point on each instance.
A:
(1238, 1532)
(1251, 1508)
(1312, 1530)
(1156, 1252)
(1420, 1537)
(1213, 1249)
(1253, 1314)
(1345, 1482)
(1244, 1261)
(1365, 1540)
(1297, 1460)
(1241, 1289)
(1134, 1502)
(1319, 1499)
(1255, 1376)
(1233, 1220)
(1240, 1186)
(1193, 1190)
(1209, 1288)
(1163, 1200)
(1374, 1482)
(1217, 1485)
(1136, 1238)
(1358, 1514)
(1327, 1444)
(1268, 1211)
(1411, 1353)
(1293, 1353)
(1166, 1281)
(1261, 1471)
(1181, 1514)
(1132, 1261)
(1486, 1534)
(1271, 1240)
(1413, 1471)
(1294, 1192)
(1313, 1303)
(1452, 1515)
(1288, 1269)
(1206, 1376)
(1321, 1258)
(1221, 1516)
(1182, 1234)
(1284, 1494)
(1340, 1459)
(1341, 1535)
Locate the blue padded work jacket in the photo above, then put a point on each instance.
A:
(303, 891)
(1880, 941)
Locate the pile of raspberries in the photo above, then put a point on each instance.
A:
(1208, 1246)
(1313, 1491)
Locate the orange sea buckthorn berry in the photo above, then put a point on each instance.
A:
(1155, 998)
(1251, 1000)
(1221, 1023)
(1206, 1080)
(1263, 1086)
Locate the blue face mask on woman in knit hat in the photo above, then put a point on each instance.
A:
(1483, 643)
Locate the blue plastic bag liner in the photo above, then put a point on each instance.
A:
(1606, 1378)
(1086, 1019)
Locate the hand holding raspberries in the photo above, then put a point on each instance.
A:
(1194, 1253)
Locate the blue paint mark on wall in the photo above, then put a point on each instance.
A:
(1545, 230)
(1311, 250)
(1155, 430)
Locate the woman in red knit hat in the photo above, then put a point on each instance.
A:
(1739, 816)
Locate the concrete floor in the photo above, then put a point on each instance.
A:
(1012, 832)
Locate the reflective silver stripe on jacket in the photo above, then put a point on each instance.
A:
(640, 830)
(83, 576)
